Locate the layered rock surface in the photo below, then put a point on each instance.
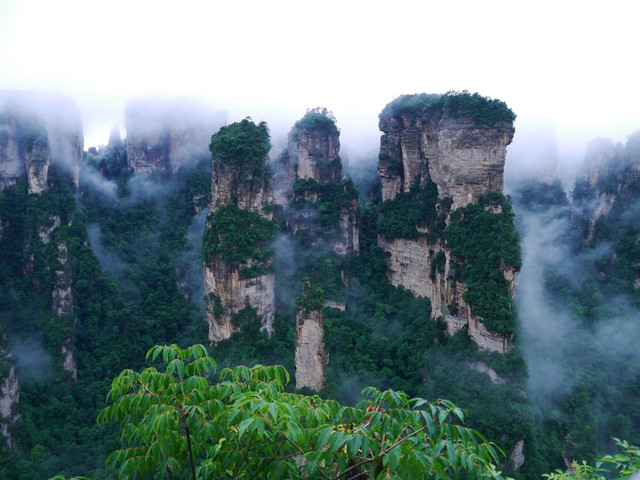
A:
(9, 399)
(465, 160)
(165, 135)
(239, 188)
(609, 171)
(309, 174)
(37, 131)
(310, 356)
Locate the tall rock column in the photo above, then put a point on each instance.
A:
(37, 131)
(310, 186)
(321, 213)
(239, 283)
(440, 154)
(9, 393)
(310, 356)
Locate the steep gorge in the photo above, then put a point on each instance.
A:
(290, 275)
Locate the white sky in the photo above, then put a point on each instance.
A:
(571, 64)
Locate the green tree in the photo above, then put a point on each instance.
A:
(618, 466)
(177, 424)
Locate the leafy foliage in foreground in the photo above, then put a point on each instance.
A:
(621, 465)
(246, 426)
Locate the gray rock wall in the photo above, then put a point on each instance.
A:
(310, 356)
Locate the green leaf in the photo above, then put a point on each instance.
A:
(323, 438)
(337, 440)
(353, 446)
(244, 425)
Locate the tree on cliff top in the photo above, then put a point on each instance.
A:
(316, 119)
(482, 110)
(178, 425)
(243, 144)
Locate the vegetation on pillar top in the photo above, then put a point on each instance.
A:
(243, 144)
(482, 110)
(311, 298)
(316, 119)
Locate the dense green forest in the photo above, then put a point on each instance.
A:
(135, 246)
(585, 379)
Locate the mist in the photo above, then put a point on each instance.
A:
(32, 360)
(569, 346)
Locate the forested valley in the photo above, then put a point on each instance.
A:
(109, 260)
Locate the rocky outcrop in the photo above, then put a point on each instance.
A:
(37, 160)
(516, 457)
(463, 157)
(9, 397)
(165, 135)
(412, 264)
(308, 174)
(37, 131)
(610, 173)
(62, 305)
(237, 282)
(11, 155)
(310, 356)
(229, 294)
(315, 152)
(232, 185)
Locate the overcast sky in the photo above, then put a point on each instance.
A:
(569, 64)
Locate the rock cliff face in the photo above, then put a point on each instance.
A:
(609, 171)
(464, 158)
(231, 294)
(24, 150)
(9, 399)
(62, 305)
(310, 357)
(238, 278)
(316, 154)
(308, 178)
(37, 131)
(164, 135)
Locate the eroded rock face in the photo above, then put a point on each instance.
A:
(241, 184)
(9, 399)
(11, 163)
(316, 154)
(250, 193)
(313, 154)
(464, 159)
(165, 135)
(234, 293)
(609, 171)
(517, 458)
(37, 131)
(62, 305)
(411, 264)
(37, 161)
(310, 357)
